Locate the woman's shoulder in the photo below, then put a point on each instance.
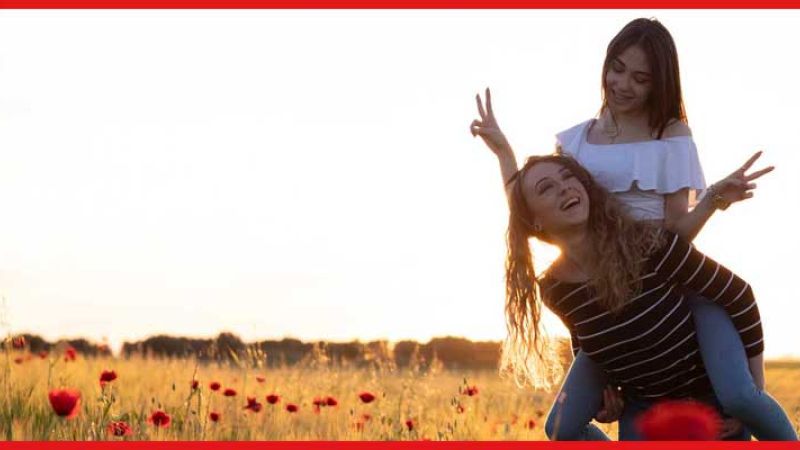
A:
(556, 278)
(668, 247)
(568, 139)
(676, 128)
(573, 130)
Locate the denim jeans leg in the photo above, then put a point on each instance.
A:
(583, 396)
(627, 423)
(727, 366)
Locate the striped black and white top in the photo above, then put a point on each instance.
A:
(649, 346)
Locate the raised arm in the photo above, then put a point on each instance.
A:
(487, 128)
(734, 188)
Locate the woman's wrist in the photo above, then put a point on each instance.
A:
(716, 200)
(503, 150)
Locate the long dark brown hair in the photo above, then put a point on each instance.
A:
(665, 103)
(623, 243)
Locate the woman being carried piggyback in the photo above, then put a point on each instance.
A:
(640, 149)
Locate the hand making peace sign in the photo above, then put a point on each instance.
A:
(738, 185)
(487, 128)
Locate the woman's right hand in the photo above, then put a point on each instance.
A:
(486, 127)
(731, 427)
(738, 186)
(613, 405)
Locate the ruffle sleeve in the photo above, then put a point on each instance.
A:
(568, 141)
(666, 166)
(660, 166)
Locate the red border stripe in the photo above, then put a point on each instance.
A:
(405, 445)
(396, 4)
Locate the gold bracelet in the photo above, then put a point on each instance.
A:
(717, 200)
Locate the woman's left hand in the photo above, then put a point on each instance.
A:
(738, 186)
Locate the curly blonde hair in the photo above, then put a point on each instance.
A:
(528, 352)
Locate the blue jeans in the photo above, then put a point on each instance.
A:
(727, 367)
(571, 419)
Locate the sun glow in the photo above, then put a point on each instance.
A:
(544, 255)
(311, 173)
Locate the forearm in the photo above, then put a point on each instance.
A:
(508, 164)
(688, 225)
(757, 370)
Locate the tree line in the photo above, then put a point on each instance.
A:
(448, 352)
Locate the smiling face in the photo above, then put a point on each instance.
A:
(555, 198)
(628, 81)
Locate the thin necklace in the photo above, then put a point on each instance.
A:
(611, 133)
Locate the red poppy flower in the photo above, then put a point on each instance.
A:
(214, 386)
(228, 392)
(159, 418)
(43, 354)
(214, 416)
(321, 402)
(273, 398)
(680, 420)
(253, 404)
(18, 360)
(260, 379)
(459, 408)
(359, 424)
(470, 391)
(410, 424)
(107, 376)
(119, 428)
(18, 342)
(366, 397)
(291, 407)
(530, 424)
(195, 385)
(70, 354)
(65, 402)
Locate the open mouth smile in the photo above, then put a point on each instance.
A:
(570, 203)
(622, 98)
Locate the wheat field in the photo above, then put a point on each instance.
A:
(409, 404)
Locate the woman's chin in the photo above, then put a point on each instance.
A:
(626, 108)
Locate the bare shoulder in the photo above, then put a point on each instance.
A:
(676, 128)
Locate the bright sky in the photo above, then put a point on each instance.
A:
(311, 173)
